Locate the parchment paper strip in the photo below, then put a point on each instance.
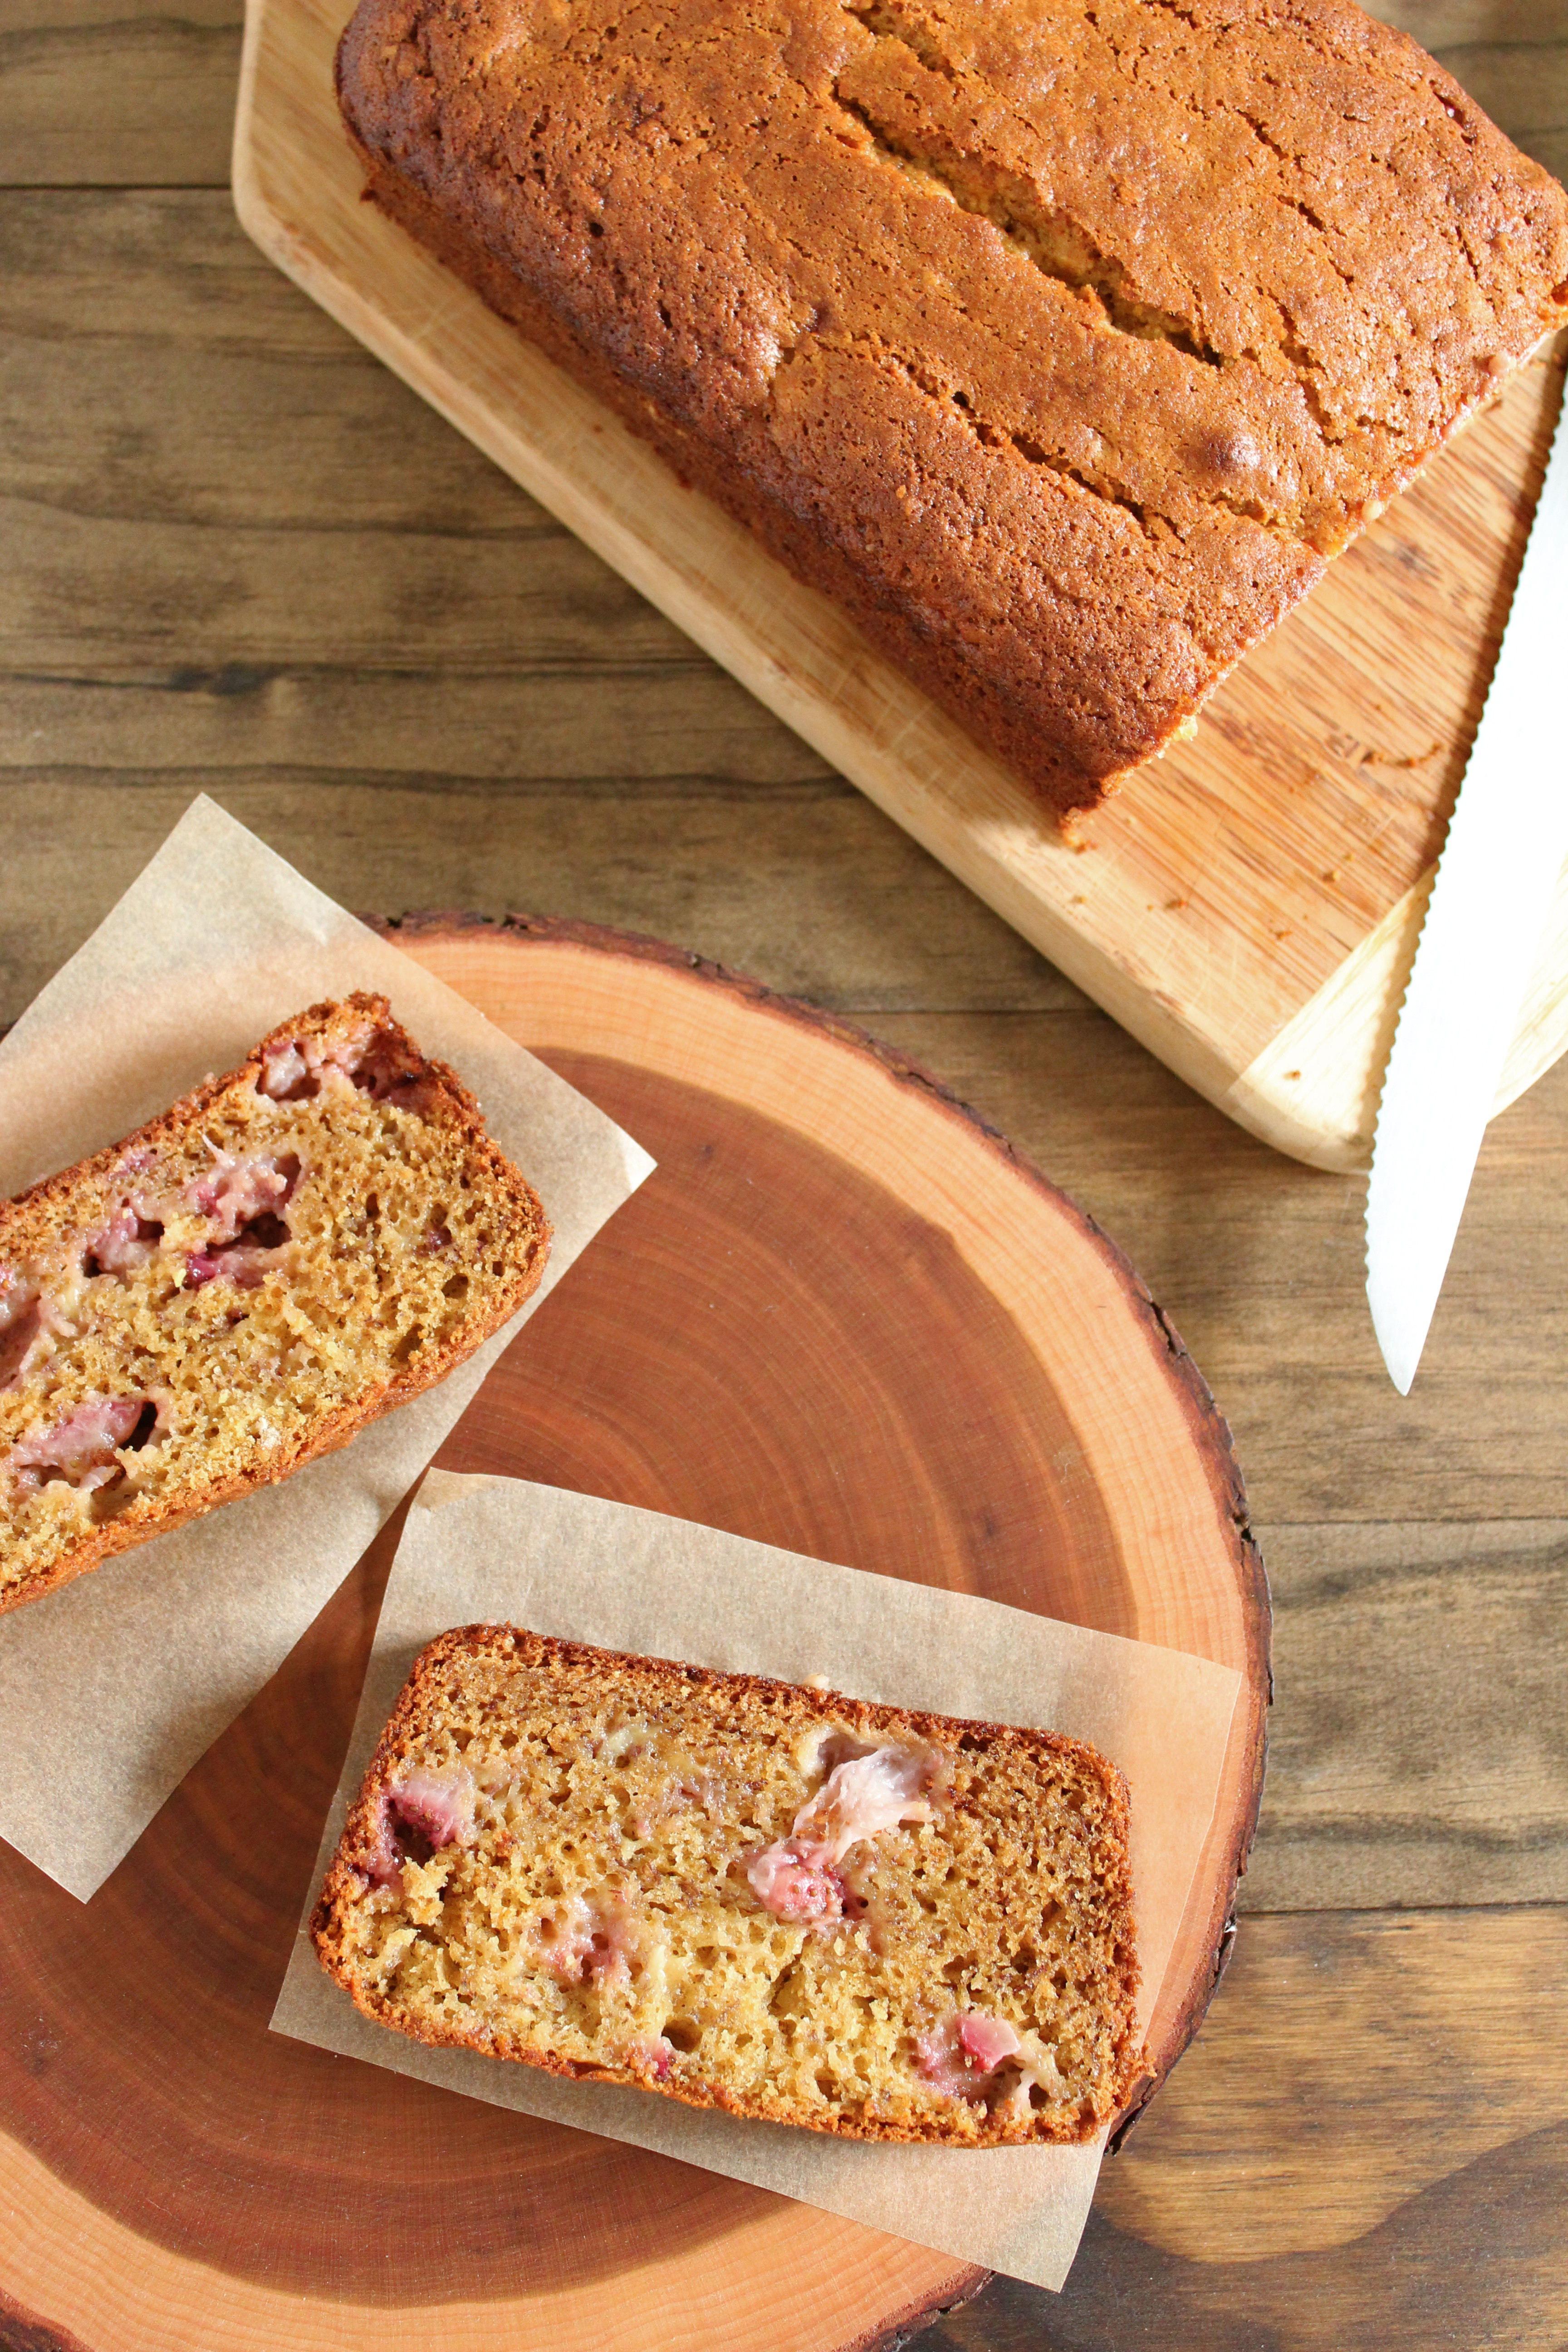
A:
(111, 1688)
(478, 1550)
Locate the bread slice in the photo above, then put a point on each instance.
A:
(243, 1283)
(744, 1894)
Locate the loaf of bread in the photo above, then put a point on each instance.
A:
(243, 1283)
(743, 1894)
(1062, 346)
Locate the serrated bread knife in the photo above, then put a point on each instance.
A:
(1495, 885)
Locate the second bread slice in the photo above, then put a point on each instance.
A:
(744, 1894)
(242, 1283)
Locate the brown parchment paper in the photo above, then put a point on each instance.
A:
(478, 1550)
(111, 1687)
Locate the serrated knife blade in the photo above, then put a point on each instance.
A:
(1496, 879)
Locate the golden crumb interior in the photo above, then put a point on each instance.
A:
(195, 1312)
(605, 1865)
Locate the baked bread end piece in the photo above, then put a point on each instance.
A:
(743, 1894)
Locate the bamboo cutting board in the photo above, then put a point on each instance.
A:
(1248, 906)
(841, 1315)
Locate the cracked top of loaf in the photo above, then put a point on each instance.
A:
(1063, 343)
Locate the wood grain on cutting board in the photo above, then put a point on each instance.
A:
(1248, 905)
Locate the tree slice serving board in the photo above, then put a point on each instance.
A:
(840, 1316)
(1248, 906)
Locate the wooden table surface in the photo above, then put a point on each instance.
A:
(237, 555)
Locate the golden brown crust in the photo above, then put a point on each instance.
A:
(354, 1861)
(49, 1207)
(1061, 347)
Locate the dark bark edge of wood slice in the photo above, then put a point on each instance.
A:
(597, 1032)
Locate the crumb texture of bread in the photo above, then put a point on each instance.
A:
(1060, 344)
(242, 1283)
(744, 1894)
